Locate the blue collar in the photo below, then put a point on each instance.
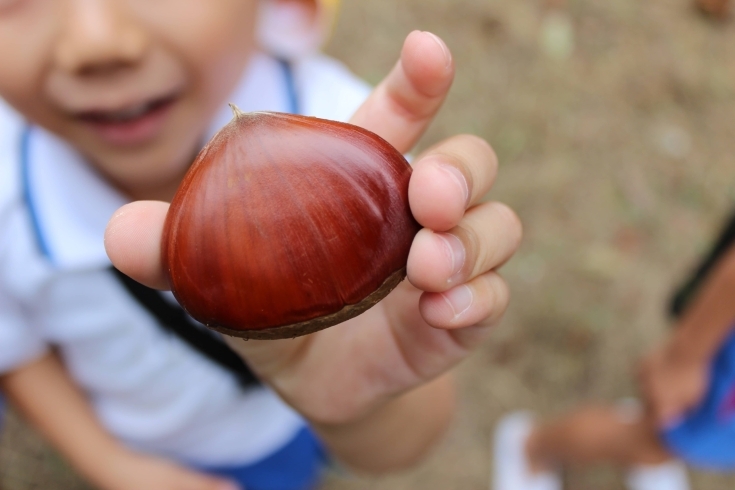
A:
(25, 149)
(291, 91)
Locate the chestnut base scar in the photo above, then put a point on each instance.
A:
(311, 326)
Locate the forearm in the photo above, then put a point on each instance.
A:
(397, 434)
(710, 318)
(48, 399)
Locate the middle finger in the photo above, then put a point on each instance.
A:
(485, 238)
(449, 178)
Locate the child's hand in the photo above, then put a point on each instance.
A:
(141, 472)
(672, 384)
(343, 375)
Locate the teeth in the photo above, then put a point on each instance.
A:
(127, 114)
(124, 115)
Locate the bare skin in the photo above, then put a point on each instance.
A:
(86, 60)
(360, 403)
(673, 379)
(595, 434)
(73, 428)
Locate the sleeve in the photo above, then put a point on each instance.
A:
(19, 342)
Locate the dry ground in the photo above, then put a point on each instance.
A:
(612, 121)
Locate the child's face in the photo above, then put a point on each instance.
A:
(132, 84)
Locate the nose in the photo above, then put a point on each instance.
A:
(99, 37)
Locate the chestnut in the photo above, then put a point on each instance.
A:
(285, 225)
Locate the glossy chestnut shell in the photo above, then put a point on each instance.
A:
(286, 225)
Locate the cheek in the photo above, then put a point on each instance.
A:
(213, 38)
(27, 38)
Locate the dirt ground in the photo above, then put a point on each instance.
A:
(612, 121)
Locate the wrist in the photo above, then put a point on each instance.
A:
(109, 470)
(395, 434)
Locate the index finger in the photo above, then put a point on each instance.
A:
(402, 106)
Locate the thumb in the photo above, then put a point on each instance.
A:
(133, 241)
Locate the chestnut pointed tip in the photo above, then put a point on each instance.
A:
(236, 112)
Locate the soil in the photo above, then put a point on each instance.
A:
(612, 124)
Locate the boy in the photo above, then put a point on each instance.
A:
(689, 389)
(120, 95)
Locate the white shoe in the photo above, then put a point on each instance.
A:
(511, 469)
(671, 475)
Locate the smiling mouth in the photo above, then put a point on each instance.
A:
(131, 126)
(128, 114)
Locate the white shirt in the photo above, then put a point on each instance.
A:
(147, 387)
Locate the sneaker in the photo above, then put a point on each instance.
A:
(671, 475)
(511, 467)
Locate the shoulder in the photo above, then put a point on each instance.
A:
(329, 89)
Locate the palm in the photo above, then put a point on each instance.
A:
(425, 325)
(346, 369)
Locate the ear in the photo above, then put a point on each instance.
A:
(293, 28)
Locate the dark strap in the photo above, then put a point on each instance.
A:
(686, 294)
(174, 319)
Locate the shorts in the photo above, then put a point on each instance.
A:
(297, 466)
(705, 438)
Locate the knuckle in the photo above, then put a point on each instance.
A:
(511, 220)
(493, 293)
(500, 294)
(491, 234)
(476, 254)
(474, 141)
(478, 147)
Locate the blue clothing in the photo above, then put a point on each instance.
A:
(296, 466)
(706, 437)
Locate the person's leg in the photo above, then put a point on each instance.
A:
(715, 8)
(511, 468)
(529, 455)
(594, 434)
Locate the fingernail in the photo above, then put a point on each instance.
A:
(445, 49)
(457, 176)
(456, 253)
(459, 299)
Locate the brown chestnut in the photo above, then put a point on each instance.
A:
(286, 225)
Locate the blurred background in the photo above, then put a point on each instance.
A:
(614, 123)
